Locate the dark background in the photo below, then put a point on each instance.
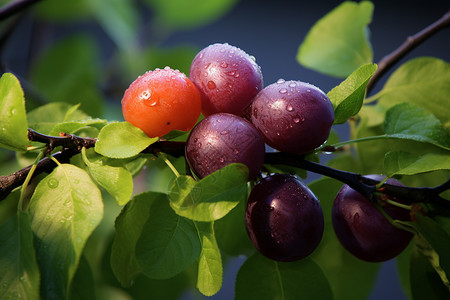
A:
(272, 32)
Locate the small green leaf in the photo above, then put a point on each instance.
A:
(338, 43)
(423, 81)
(111, 175)
(405, 163)
(261, 278)
(13, 121)
(347, 98)
(19, 271)
(75, 127)
(129, 225)
(408, 121)
(65, 209)
(210, 270)
(122, 140)
(168, 243)
(185, 14)
(212, 197)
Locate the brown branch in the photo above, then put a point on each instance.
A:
(411, 43)
(14, 7)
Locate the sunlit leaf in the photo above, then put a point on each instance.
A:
(405, 163)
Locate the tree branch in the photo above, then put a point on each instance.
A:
(72, 145)
(14, 7)
(411, 42)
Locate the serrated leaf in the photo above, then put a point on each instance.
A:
(405, 163)
(347, 98)
(168, 243)
(210, 270)
(129, 225)
(338, 43)
(183, 14)
(111, 175)
(212, 197)
(349, 277)
(423, 81)
(261, 278)
(408, 121)
(13, 121)
(19, 271)
(65, 209)
(122, 140)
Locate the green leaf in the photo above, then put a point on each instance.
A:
(44, 118)
(83, 285)
(261, 278)
(408, 121)
(75, 127)
(405, 163)
(65, 209)
(122, 140)
(188, 14)
(168, 243)
(49, 73)
(129, 225)
(111, 175)
(423, 81)
(56, 10)
(19, 272)
(210, 270)
(347, 98)
(338, 43)
(120, 19)
(212, 197)
(349, 277)
(425, 282)
(13, 121)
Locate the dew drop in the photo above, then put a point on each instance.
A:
(236, 151)
(281, 80)
(268, 208)
(211, 85)
(289, 107)
(292, 84)
(207, 65)
(296, 120)
(231, 73)
(224, 65)
(199, 145)
(195, 140)
(278, 133)
(308, 90)
(53, 183)
(151, 102)
(167, 68)
(221, 159)
(283, 91)
(145, 95)
(253, 58)
(224, 132)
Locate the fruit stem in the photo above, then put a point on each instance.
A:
(363, 139)
(396, 223)
(28, 178)
(395, 203)
(169, 164)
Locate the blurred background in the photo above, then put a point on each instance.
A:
(55, 47)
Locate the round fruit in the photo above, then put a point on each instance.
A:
(293, 116)
(284, 219)
(161, 101)
(222, 139)
(363, 230)
(227, 77)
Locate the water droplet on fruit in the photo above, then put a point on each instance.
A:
(268, 208)
(207, 65)
(253, 58)
(278, 133)
(221, 159)
(53, 183)
(292, 84)
(231, 73)
(236, 151)
(289, 107)
(145, 95)
(224, 132)
(296, 120)
(283, 91)
(237, 75)
(211, 85)
(281, 80)
(151, 102)
(166, 68)
(199, 145)
(195, 140)
(308, 90)
(224, 65)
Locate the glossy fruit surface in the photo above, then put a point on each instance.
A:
(363, 230)
(222, 139)
(227, 77)
(161, 101)
(293, 116)
(284, 219)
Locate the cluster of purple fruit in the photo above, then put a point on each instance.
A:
(284, 218)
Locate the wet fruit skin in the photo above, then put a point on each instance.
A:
(363, 230)
(222, 139)
(161, 101)
(293, 116)
(227, 77)
(284, 219)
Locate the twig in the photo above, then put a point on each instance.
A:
(14, 7)
(411, 42)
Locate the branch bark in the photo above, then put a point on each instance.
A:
(411, 43)
(72, 145)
